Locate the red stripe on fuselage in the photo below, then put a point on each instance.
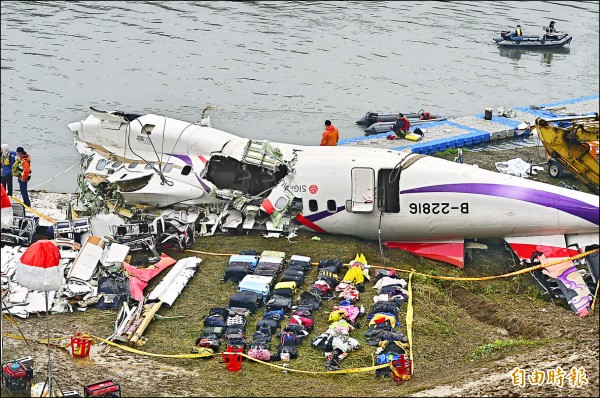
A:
(304, 221)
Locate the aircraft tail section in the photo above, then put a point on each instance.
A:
(572, 280)
(449, 251)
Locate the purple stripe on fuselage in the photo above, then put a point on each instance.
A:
(563, 203)
(322, 214)
(187, 160)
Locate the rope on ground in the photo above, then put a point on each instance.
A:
(188, 356)
(57, 342)
(209, 253)
(485, 278)
(288, 369)
(452, 278)
(37, 213)
(151, 354)
(50, 179)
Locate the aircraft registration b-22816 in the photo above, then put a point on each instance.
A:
(422, 204)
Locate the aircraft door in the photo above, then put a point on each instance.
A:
(363, 190)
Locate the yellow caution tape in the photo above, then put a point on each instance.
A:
(354, 370)
(451, 278)
(126, 348)
(49, 219)
(58, 342)
(485, 278)
(208, 253)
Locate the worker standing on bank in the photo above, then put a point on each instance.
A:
(8, 159)
(330, 136)
(22, 169)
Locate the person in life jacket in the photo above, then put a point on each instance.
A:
(330, 136)
(401, 126)
(516, 32)
(551, 31)
(8, 160)
(22, 167)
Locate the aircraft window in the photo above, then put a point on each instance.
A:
(281, 203)
(150, 165)
(101, 164)
(187, 169)
(331, 205)
(133, 165)
(167, 167)
(312, 205)
(116, 164)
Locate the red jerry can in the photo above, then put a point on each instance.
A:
(402, 368)
(233, 361)
(80, 345)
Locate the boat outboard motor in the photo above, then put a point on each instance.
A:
(371, 117)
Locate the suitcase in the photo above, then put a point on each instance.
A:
(271, 323)
(292, 278)
(239, 266)
(267, 270)
(269, 266)
(246, 299)
(285, 289)
(302, 261)
(310, 301)
(331, 263)
(279, 303)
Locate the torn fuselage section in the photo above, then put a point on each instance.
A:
(246, 175)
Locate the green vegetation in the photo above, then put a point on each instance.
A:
(499, 345)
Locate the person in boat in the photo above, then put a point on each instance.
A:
(330, 136)
(22, 167)
(515, 33)
(8, 159)
(401, 126)
(551, 32)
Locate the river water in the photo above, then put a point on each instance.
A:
(277, 70)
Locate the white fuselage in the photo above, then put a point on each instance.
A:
(365, 192)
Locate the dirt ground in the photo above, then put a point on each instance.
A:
(453, 325)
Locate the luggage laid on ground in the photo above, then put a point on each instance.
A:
(246, 299)
(333, 265)
(257, 283)
(239, 266)
(274, 314)
(329, 277)
(293, 275)
(271, 323)
(286, 349)
(285, 289)
(304, 321)
(310, 300)
(216, 331)
(279, 303)
(269, 266)
(300, 262)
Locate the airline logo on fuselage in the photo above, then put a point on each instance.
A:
(313, 189)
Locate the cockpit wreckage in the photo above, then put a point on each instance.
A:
(202, 180)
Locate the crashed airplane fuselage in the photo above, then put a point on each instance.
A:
(414, 202)
(370, 193)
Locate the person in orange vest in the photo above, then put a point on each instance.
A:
(23, 171)
(330, 136)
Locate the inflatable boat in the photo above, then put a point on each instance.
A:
(545, 41)
(383, 127)
(375, 117)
